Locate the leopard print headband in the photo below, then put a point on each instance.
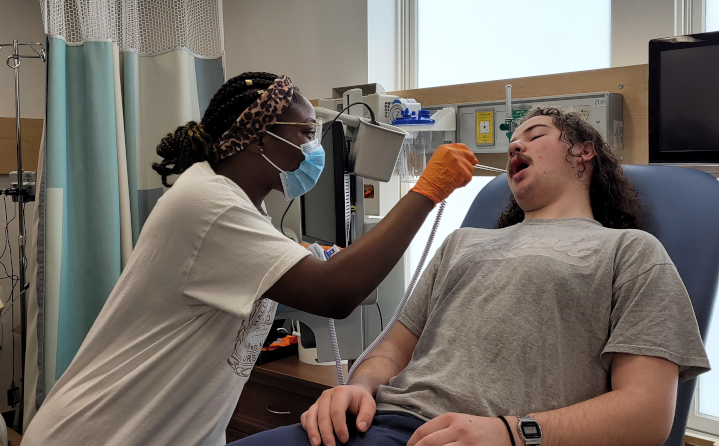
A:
(256, 119)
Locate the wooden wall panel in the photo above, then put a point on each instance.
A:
(31, 132)
(630, 81)
(634, 81)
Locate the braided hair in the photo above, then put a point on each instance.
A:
(192, 142)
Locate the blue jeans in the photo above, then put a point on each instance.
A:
(387, 429)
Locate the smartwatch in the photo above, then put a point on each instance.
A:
(529, 430)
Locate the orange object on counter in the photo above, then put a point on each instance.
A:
(284, 342)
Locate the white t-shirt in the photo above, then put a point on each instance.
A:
(171, 350)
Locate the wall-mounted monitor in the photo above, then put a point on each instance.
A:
(323, 209)
(683, 99)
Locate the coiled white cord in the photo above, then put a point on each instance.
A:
(336, 352)
(396, 315)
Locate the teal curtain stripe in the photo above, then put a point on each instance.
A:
(81, 159)
(210, 77)
(91, 260)
(56, 125)
(130, 103)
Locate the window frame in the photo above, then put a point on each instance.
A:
(689, 17)
(407, 51)
(699, 421)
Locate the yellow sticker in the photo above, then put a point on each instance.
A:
(484, 127)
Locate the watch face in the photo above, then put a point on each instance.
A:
(531, 431)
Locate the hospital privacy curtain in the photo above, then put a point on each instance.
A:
(121, 74)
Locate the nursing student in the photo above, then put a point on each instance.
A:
(168, 355)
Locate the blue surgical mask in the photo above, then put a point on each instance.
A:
(305, 177)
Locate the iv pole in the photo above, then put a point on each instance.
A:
(13, 61)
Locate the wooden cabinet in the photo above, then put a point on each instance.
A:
(276, 394)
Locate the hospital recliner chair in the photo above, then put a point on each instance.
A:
(680, 208)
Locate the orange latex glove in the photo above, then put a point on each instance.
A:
(450, 167)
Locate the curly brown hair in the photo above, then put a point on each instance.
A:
(613, 198)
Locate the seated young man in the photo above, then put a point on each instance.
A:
(566, 313)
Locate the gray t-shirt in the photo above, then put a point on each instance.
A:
(527, 318)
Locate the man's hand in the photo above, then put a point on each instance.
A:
(461, 430)
(328, 414)
(329, 411)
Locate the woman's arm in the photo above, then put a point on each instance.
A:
(334, 288)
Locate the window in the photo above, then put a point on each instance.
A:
(708, 401)
(455, 210)
(462, 41)
(705, 411)
(712, 19)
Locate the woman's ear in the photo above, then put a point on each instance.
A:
(256, 145)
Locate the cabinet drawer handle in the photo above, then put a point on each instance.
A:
(276, 412)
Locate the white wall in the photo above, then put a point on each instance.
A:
(320, 44)
(634, 24)
(21, 20)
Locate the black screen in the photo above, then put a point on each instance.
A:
(689, 99)
(530, 431)
(683, 99)
(323, 208)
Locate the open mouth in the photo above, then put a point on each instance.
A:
(518, 164)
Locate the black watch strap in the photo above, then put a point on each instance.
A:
(507, 425)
